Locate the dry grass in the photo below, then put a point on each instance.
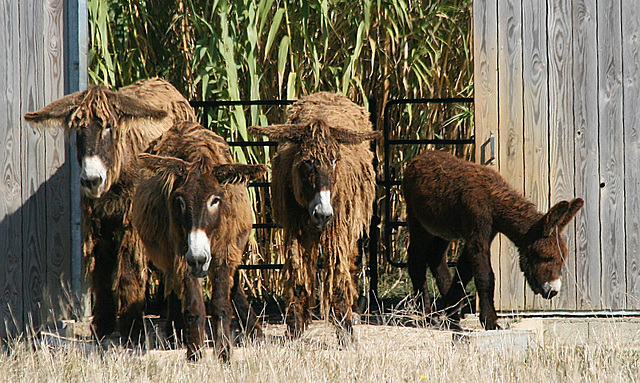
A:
(383, 354)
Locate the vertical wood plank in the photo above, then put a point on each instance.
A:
(11, 309)
(561, 131)
(485, 68)
(631, 76)
(536, 125)
(32, 163)
(585, 112)
(511, 137)
(612, 196)
(58, 218)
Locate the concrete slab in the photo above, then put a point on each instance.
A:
(552, 331)
(623, 331)
(500, 341)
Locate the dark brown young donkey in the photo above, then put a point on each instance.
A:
(193, 214)
(449, 199)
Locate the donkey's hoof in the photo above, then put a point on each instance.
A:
(451, 325)
(194, 353)
(491, 325)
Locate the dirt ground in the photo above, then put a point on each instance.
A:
(400, 331)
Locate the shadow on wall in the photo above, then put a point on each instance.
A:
(35, 254)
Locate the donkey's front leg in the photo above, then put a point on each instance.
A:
(480, 259)
(221, 313)
(194, 317)
(342, 317)
(299, 282)
(131, 288)
(105, 301)
(247, 317)
(298, 316)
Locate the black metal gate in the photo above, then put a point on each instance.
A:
(385, 181)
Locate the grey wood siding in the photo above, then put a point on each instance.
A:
(485, 67)
(35, 223)
(631, 118)
(557, 82)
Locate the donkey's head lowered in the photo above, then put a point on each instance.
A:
(106, 134)
(543, 251)
(316, 156)
(197, 200)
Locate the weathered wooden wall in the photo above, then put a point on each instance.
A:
(35, 220)
(558, 83)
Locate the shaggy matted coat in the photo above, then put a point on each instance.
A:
(448, 199)
(194, 188)
(113, 127)
(330, 132)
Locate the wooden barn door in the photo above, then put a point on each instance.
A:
(557, 83)
(34, 188)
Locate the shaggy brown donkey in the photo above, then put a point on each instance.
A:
(193, 213)
(323, 186)
(448, 199)
(111, 128)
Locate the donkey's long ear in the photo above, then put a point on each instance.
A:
(58, 111)
(282, 132)
(554, 216)
(132, 107)
(347, 136)
(574, 207)
(161, 164)
(238, 173)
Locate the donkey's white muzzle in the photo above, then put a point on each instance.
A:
(320, 209)
(199, 253)
(551, 289)
(93, 177)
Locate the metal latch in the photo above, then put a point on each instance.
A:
(491, 143)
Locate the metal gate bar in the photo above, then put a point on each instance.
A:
(387, 182)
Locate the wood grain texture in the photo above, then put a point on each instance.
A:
(612, 214)
(32, 163)
(485, 64)
(587, 153)
(631, 90)
(511, 137)
(34, 191)
(561, 131)
(11, 311)
(57, 172)
(591, 136)
(536, 125)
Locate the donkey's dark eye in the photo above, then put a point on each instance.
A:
(181, 204)
(214, 201)
(309, 164)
